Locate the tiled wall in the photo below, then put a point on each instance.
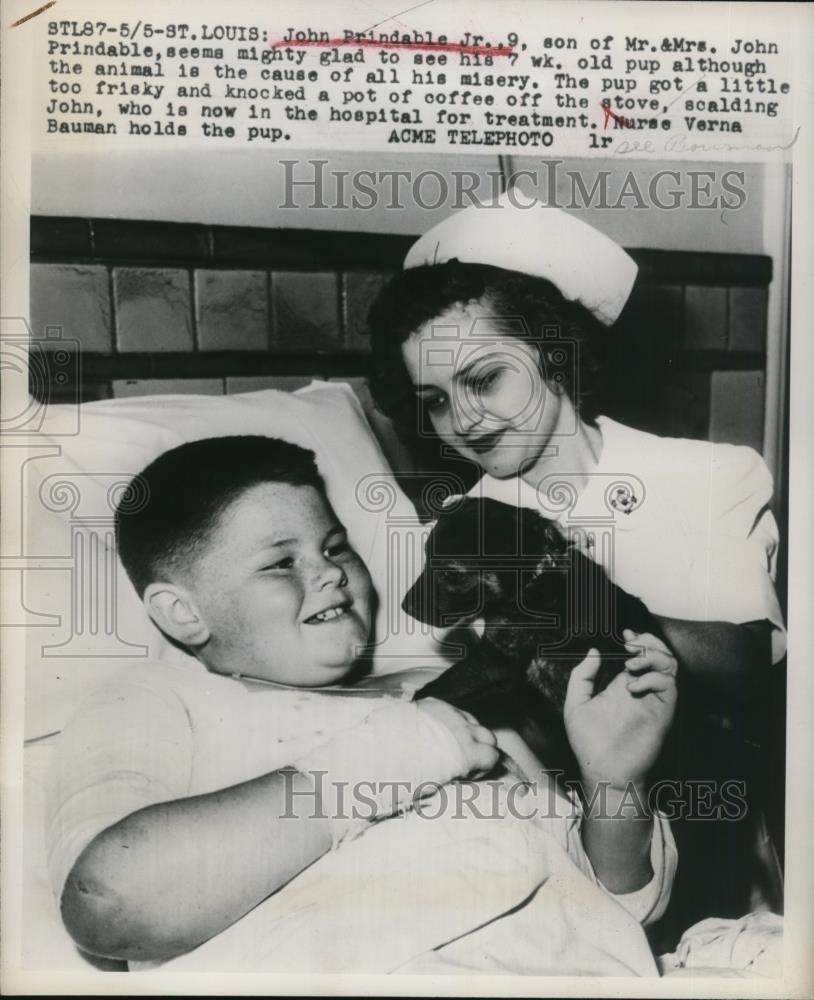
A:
(162, 308)
(691, 361)
(157, 309)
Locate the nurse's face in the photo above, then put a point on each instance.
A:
(483, 391)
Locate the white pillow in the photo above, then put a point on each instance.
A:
(71, 489)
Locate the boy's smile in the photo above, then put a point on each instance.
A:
(283, 595)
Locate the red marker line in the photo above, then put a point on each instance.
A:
(33, 13)
(617, 118)
(469, 50)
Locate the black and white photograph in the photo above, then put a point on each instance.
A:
(406, 476)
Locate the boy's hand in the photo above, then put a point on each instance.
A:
(478, 744)
(616, 735)
(401, 752)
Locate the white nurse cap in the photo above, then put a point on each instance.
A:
(527, 236)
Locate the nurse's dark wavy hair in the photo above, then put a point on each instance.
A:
(518, 302)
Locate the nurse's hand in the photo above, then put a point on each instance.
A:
(617, 734)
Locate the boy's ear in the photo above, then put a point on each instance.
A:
(174, 611)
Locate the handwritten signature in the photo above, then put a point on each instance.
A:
(680, 143)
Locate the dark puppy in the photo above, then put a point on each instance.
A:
(544, 605)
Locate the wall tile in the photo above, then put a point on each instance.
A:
(671, 403)
(683, 405)
(705, 326)
(75, 298)
(231, 310)
(253, 383)
(153, 309)
(747, 319)
(305, 308)
(737, 402)
(359, 291)
(167, 386)
(649, 331)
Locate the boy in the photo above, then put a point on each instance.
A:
(186, 796)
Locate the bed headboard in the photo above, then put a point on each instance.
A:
(166, 307)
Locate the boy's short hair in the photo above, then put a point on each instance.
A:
(169, 510)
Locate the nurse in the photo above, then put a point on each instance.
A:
(487, 343)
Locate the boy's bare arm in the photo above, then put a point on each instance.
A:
(168, 877)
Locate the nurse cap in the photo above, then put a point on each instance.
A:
(528, 236)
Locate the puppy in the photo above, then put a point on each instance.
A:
(543, 604)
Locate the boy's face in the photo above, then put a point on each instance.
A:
(284, 596)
